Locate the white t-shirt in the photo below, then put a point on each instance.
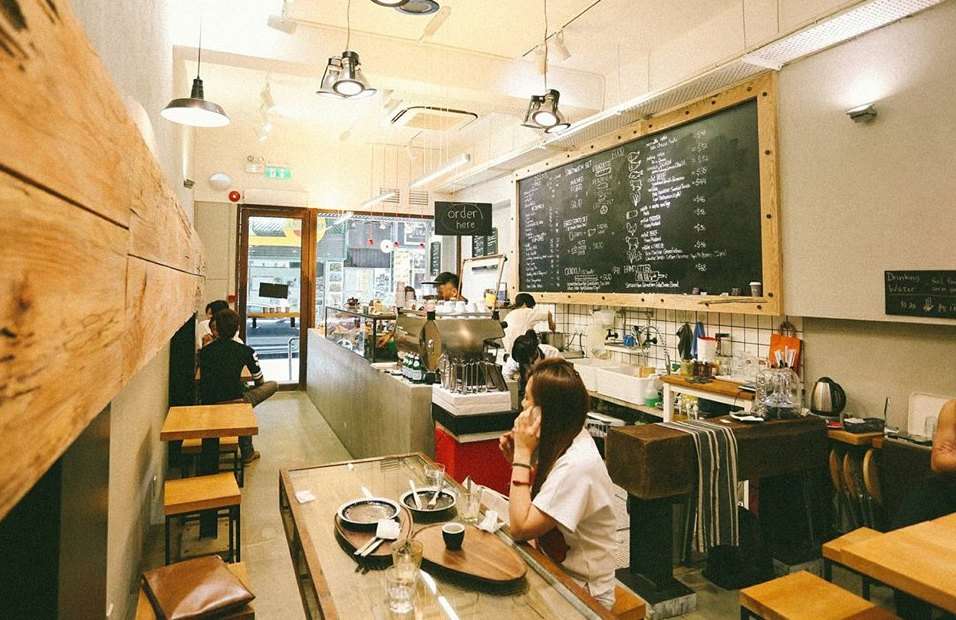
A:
(579, 495)
(511, 367)
(521, 320)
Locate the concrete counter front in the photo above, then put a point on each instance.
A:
(371, 412)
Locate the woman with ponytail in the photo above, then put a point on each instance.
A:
(571, 493)
(525, 351)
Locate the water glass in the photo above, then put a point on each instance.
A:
(407, 557)
(399, 591)
(435, 474)
(469, 504)
(929, 426)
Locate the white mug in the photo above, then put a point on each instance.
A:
(460, 306)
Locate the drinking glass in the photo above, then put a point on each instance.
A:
(469, 504)
(435, 474)
(399, 591)
(407, 557)
(929, 426)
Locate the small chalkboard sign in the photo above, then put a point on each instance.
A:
(921, 293)
(458, 219)
(434, 258)
(485, 245)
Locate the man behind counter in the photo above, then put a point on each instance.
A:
(447, 284)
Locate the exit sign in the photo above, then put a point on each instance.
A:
(283, 173)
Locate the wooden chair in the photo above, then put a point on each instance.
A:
(192, 448)
(803, 596)
(832, 552)
(145, 611)
(191, 496)
(627, 605)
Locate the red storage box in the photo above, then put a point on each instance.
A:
(477, 456)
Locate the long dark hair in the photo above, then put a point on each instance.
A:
(525, 351)
(558, 390)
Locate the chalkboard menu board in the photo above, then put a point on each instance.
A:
(486, 245)
(434, 259)
(921, 293)
(666, 213)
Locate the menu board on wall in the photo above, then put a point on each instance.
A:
(669, 212)
(485, 245)
(434, 258)
(921, 293)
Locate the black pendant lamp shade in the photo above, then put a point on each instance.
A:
(194, 110)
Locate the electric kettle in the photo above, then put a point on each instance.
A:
(827, 398)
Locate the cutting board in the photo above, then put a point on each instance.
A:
(355, 539)
(482, 555)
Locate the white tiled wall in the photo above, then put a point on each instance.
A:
(747, 333)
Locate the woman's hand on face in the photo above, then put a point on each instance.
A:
(527, 432)
(506, 443)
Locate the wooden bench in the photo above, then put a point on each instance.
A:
(192, 496)
(627, 605)
(832, 552)
(803, 596)
(192, 448)
(144, 608)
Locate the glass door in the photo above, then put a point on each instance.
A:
(275, 293)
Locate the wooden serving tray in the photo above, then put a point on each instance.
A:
(482, 555)
(355, 539)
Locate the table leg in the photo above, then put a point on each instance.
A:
(209, 464)
(651, 573)
(254, 322)
(668, 403)
(292, 322)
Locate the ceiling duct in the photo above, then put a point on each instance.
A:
(432, 118)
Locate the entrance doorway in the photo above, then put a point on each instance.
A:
(276, 272)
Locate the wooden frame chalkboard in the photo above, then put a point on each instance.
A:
(761, 90)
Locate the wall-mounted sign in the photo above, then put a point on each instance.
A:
(921, 293)
(282, 173)
(434, 258)
(459, 219)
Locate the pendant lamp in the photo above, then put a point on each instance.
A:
(543, 112)
(332, 71)
(350, 82)
(194, 110)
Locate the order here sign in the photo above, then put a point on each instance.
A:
(462, 218)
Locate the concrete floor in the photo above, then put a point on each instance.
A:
(292, 433)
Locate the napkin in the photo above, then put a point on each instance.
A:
(304, 496)
(490, 522)
(388, 529)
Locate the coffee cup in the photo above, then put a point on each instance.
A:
(454, 535)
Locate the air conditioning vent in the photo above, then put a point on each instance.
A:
(396, 195)
(417, 198)
(431, 118)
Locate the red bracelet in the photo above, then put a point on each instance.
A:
(519, 483)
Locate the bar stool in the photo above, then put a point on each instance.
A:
(832, 553)
(192, 448)
(803, 596)
(145, 611)
(189, 497)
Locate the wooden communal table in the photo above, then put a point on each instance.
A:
(331, 588)
(657, 466)
(255, 316)
(917, 560)
(717, 390)
(209, 423)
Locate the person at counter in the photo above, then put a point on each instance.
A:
(524, 315)
(568, 506)
(447, 285)
(525, 353)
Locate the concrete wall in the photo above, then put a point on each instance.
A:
(132, 39)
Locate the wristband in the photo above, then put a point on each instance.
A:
(524, 465)
(519, 483)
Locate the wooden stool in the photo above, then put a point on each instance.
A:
(144, 609)
(192, 496)
(627, 605)
(832, 552)
(803, 596)
(192, 448)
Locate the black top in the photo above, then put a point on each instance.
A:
(220, 367)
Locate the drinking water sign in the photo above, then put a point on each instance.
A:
(459, 219)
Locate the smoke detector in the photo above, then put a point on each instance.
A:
(432, 118)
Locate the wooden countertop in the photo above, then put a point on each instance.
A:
(728, 389)
(855, 439)
(652, 461)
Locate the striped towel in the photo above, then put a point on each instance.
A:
(714, 514)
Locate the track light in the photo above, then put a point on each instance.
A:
(268, 103)
(351, 80)
(332, 71)
(543, 110)
(560, 48)
(283, 23)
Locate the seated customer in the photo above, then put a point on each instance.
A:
(204, 333)
(572, 494)
(221, 363)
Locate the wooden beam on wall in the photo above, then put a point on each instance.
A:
(99, 265)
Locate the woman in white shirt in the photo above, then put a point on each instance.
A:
(572, 492)
(524, 316)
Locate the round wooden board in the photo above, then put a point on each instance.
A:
(355, 539)
(482, 555)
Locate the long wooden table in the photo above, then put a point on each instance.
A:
(255, 316)
(331, 588)
(657, 466)
(209, 423)
(918, 560)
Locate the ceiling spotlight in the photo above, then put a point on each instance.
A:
(283, 23)
(417, 7)
(560, 48)
(547, 115)
(862, 113)
(390, 3)
(351, 80)
(543, 110)
(194, 110)
(533, 106)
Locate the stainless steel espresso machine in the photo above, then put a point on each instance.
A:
(458, 351)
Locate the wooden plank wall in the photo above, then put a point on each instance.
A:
(99, 265)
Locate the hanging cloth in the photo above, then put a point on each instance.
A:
(699, 332)
(685, 338)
